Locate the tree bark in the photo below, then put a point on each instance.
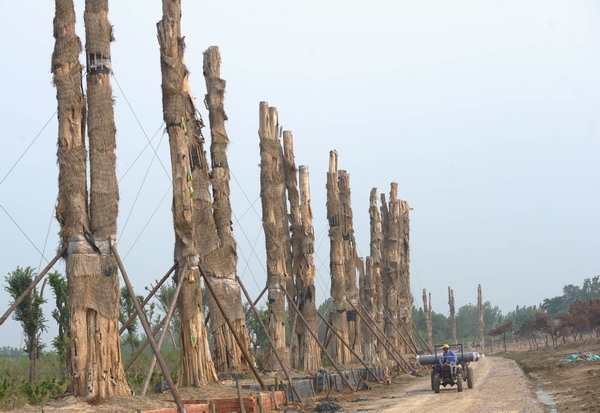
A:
(428, 320)
(350, 261)
(480, 339)
(197, 367)
(93, 286)
(375, 245)
(336, 264)
(452, 315)
(389, 268)
(275, 224)
(215, 239)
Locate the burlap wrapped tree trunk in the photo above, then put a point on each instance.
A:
(375, 245)
(350, 262)
(197, 367)
(275, 224)
(95, 355)
(336, 264)
(216, 244)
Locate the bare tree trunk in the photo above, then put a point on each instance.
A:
(336, 257)
(32, 356)
(390, 268)
(375, 254)
(197, 367)
(350, 261)
(480, 339)
(96, 366)
(368, 296)
(405, 295)
(216, 243)
(275, 225)
(452, 314)
(428, 320)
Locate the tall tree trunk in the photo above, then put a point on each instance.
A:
(405, 295)
(428, 320)
(216, 243)
(368, 297)
(390, 267)
(452, 315)
(375, 245)
(336, 264)
(480, 339)
(275, 224)
(96, 366)
(350, 261)
(32, 356)
(197, 367)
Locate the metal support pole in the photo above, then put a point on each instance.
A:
(349, 348)
(163, 333)
(32, 286)
(148, 331)
(235, 335)
(271, 344)
(150, 295)
(312, 333)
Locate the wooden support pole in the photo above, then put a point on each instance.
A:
(32, 285)
(141, 348)
(410, 345)
(252, 304)
(385, 338)
(148, 331)
(270, 341)
(350, 348)
(163, 333)
(421, 340)
(403, 325)
(312, 333)
(234, 333)
(239, 395)
(148, 298)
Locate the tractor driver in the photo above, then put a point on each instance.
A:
(449, 356)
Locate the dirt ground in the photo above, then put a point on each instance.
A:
(500, 386)
(573, 386)
(504, 382)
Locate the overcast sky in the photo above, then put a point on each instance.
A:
(486, 113)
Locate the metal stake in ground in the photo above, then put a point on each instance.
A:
(163, 333)
(231, 328)
(32, 286)
(271, 344)
(148, 331)
(312, 333)
(150, 295)
(349, 348)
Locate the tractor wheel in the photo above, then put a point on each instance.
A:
(432, 374)
(436, 383)
(459, 382)
(470, 377)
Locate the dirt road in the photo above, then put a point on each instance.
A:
(500, 386)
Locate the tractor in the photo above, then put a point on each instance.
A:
(449, 374)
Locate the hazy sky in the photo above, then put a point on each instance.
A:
(486, 113)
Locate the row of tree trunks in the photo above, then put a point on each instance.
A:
(197, 367)
(275, 224)
(216, 244)
(452, 315)
(88, 229)
(427, 312)
(351, 261)
(336, 264)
